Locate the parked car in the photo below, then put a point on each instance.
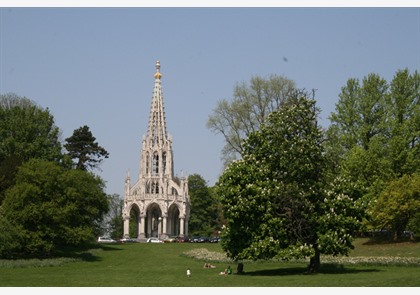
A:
(127, 239)
(203, 240)
(194, 239)
(106, 240)
(154, 240)
(169, 240)
(214, 240)
(182, 239)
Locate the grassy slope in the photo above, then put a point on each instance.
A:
(163, 265)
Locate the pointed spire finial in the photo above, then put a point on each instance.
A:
(158, 75)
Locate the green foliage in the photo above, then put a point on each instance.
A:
(403, 117)
(82, 148)
(204, 211)
(113, 222)
(10, 245)
(399, 205)
(374, 133)
(50, 206)
(275, 198)
(360, 111)
(26, 131)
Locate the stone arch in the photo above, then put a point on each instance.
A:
(134, 220)
(173, 223)
(153, 221)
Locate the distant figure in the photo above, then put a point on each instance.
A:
(188, 272)
(229, 270)
(240, 269)
(208, 265)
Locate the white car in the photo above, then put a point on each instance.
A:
(154, 240)
(127, 239)
(106, 240)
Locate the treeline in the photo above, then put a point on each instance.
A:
(292, 189)
(49, 196)
(374, 142)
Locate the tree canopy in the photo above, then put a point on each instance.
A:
(248, 110)
(26, 131)
(204, 210)
(83, 148)
(49, 207)
(398, 206)
(374, 135)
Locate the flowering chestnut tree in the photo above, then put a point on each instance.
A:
(276, 200)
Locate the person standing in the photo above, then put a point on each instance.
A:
(188, 272)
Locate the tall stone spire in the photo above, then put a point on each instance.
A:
(159, 200)
(156, 132)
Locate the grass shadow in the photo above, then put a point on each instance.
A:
(88, 254)
(325, 269)
(387, 240)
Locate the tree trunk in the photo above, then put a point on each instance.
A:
(314, 263)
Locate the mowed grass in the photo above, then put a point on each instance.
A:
(165, 265)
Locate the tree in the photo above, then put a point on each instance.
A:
(360, 111)
(204, 213)
(375, 132)
(51, 207)
(26, 131)
(398, 205)
(248, 110)
(275, 199)
(113, 222)
(403, 128)
(82, 148)
(389, 114)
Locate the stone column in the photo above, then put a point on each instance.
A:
(164, 233)
(181, 226)
(141, 228)
(126, 226)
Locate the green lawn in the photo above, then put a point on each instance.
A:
(165, 265)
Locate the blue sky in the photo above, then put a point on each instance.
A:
(95, 66)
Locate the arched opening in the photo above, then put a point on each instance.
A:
(134, 222)
(173, 221)
(153, 221)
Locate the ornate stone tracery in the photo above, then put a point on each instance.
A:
(160, 200)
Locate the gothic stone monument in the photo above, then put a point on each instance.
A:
(158, 201)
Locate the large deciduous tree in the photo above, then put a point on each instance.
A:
(26, 131)
(50, 207)
(360, 111)
(403, 118)
(83, 148)
(275, 199)
(247, 111)
(375, 132)
(398, 205)
(382, 115)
